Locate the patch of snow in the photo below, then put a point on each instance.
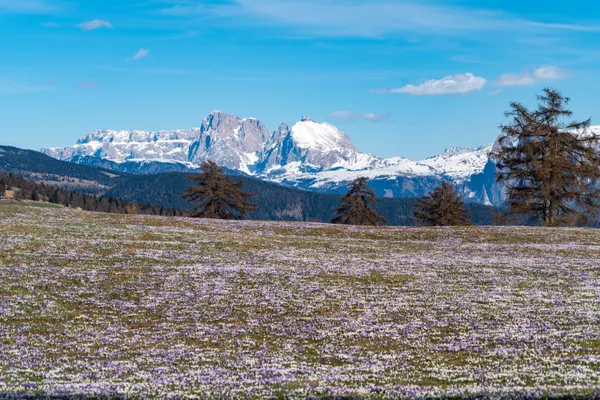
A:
(313, 135)
(460, 163)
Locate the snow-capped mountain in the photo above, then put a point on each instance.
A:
(121, 146)
(309, 154)
(319, 145)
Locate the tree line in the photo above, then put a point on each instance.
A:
(25, 189)
(548, 164)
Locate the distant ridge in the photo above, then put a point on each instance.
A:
(310, 155)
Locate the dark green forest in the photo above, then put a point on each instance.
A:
(274, 202)
(34, 191)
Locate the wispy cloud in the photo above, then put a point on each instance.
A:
(11, 87)
(368, 19)
(87, 85)
(455, 84)
(350, 116)
(376, 117)
(566, 27)
(139, 55)
(29, 6)
(50, 25)
(95, 24)
(526, 77)
(158, 71)
(187, 9)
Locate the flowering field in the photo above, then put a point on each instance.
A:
(135, 306)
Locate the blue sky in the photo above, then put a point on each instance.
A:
(402, 78)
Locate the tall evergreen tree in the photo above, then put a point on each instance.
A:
(550, 166)
(217, 196)
(2, 187)
(442, 207)
(356, 206)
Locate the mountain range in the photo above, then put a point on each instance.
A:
(309, 155)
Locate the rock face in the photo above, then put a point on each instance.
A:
(309, 154)
(229, 141)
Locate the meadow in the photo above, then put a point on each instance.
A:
(101, 305)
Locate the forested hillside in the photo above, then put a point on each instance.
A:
(24, 189)
(274, 202)
(41, 168)
(164, 191)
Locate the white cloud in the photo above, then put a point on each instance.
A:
(376, 117)
(139, 55)
(530, 77)
(521, 79)
(550, 72)
(50, 25)
(455, 84)
(95, 24)
(350, 116)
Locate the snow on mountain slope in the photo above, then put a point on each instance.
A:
(120, 146)
(308, 134)
(372, 168)
(318, 145)
(460, 163)
(457, 166)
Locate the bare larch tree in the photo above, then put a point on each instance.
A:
(217, 196)
(442, 207)
(550, 167)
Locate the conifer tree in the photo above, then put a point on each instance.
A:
(217, 196)
(356, 206)
(442, 207)
(550, 167)
(2, 187)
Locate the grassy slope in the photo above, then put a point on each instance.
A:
(40, 204)
(108, 304)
